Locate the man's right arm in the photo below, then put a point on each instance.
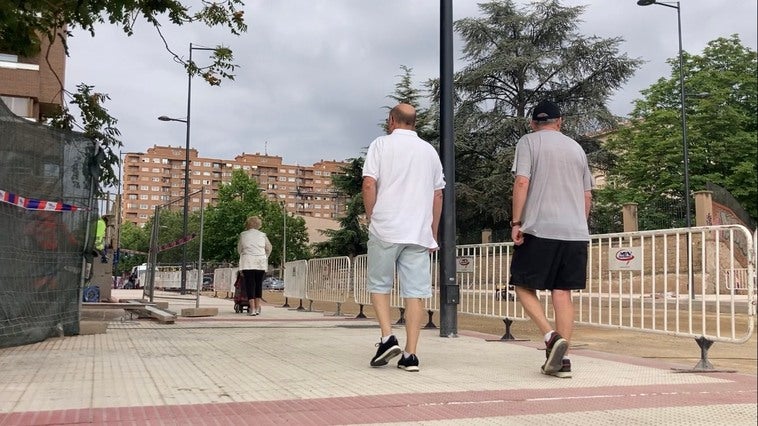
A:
(368, 191)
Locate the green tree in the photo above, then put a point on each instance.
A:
(515, 58)
(406, 92)
(238, 200)
(133, 241)
(722, 131)
(24, 23)
(350, 239)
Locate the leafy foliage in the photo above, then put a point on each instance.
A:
(22, 23)
(722, 130)
(515, 58)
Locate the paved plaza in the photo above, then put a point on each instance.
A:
(311, 368)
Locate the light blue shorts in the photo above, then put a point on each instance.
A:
(413, 268)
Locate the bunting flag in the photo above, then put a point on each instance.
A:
(36, 204)
(179, 242)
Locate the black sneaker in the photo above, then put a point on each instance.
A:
(564, 372)
(386, 352)
(555, 348)
(409, 363)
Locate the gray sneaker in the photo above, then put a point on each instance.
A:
(555, 348)
(564, 372)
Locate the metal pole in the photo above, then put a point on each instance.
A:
(183, 285)
(284, 239)
(117, 249)
(685, 147)
(200, 250)
(449, 291)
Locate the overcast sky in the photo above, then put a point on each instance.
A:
(315, 74)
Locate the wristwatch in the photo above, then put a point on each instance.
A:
(516, 223)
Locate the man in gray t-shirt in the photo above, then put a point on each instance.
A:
(551, 203)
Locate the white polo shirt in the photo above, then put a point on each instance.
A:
(407, 170)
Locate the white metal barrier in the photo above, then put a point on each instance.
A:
(296, 279)
(691, 282)
(329, 280)
(224, 279)
(672, 282)
(172, 279)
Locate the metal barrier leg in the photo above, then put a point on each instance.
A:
(361, 314)
(508, 336)
(300, 308)
(339, 310)
(310, 306)
(430, 324)
(286, 303)
(402, 317)
(703, 366)
(704, 344)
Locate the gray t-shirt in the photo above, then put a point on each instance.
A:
(559, 175)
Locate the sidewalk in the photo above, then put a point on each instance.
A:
(291, 367)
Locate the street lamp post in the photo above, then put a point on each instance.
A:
(685, 148)
(185, 212)
(284, 238)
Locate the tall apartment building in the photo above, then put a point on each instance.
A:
(157, 177)
(30, 87)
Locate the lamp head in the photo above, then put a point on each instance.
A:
(164, 118)
(645, 2)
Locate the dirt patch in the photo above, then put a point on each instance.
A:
(677, 350)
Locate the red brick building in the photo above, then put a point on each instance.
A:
(157, 177)
(29, 86)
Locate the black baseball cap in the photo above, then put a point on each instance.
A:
(546, 110)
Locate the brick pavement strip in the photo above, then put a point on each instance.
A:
(304, 368)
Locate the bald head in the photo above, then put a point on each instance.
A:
(403, 116)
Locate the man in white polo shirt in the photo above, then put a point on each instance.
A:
(402, 193)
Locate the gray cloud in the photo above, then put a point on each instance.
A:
(315, 74)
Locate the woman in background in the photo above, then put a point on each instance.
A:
(254, 249)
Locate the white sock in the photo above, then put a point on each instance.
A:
(406, 354)
(547, 335)
(385, 338)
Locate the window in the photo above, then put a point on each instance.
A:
(156, 170)
(206, 164)
(143, 197)
(290, 179)
(196, 163)
(155, 188)
(317, 173)
(144, 187)
(282, 179)
(156, 179)
(144, 207)
(157, 160)
(156, 197)
(22, 107)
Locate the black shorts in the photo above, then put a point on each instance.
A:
(545, 264)
(253, 279)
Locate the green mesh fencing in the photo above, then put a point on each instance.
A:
(43, 173)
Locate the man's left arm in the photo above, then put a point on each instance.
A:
(587, 204)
